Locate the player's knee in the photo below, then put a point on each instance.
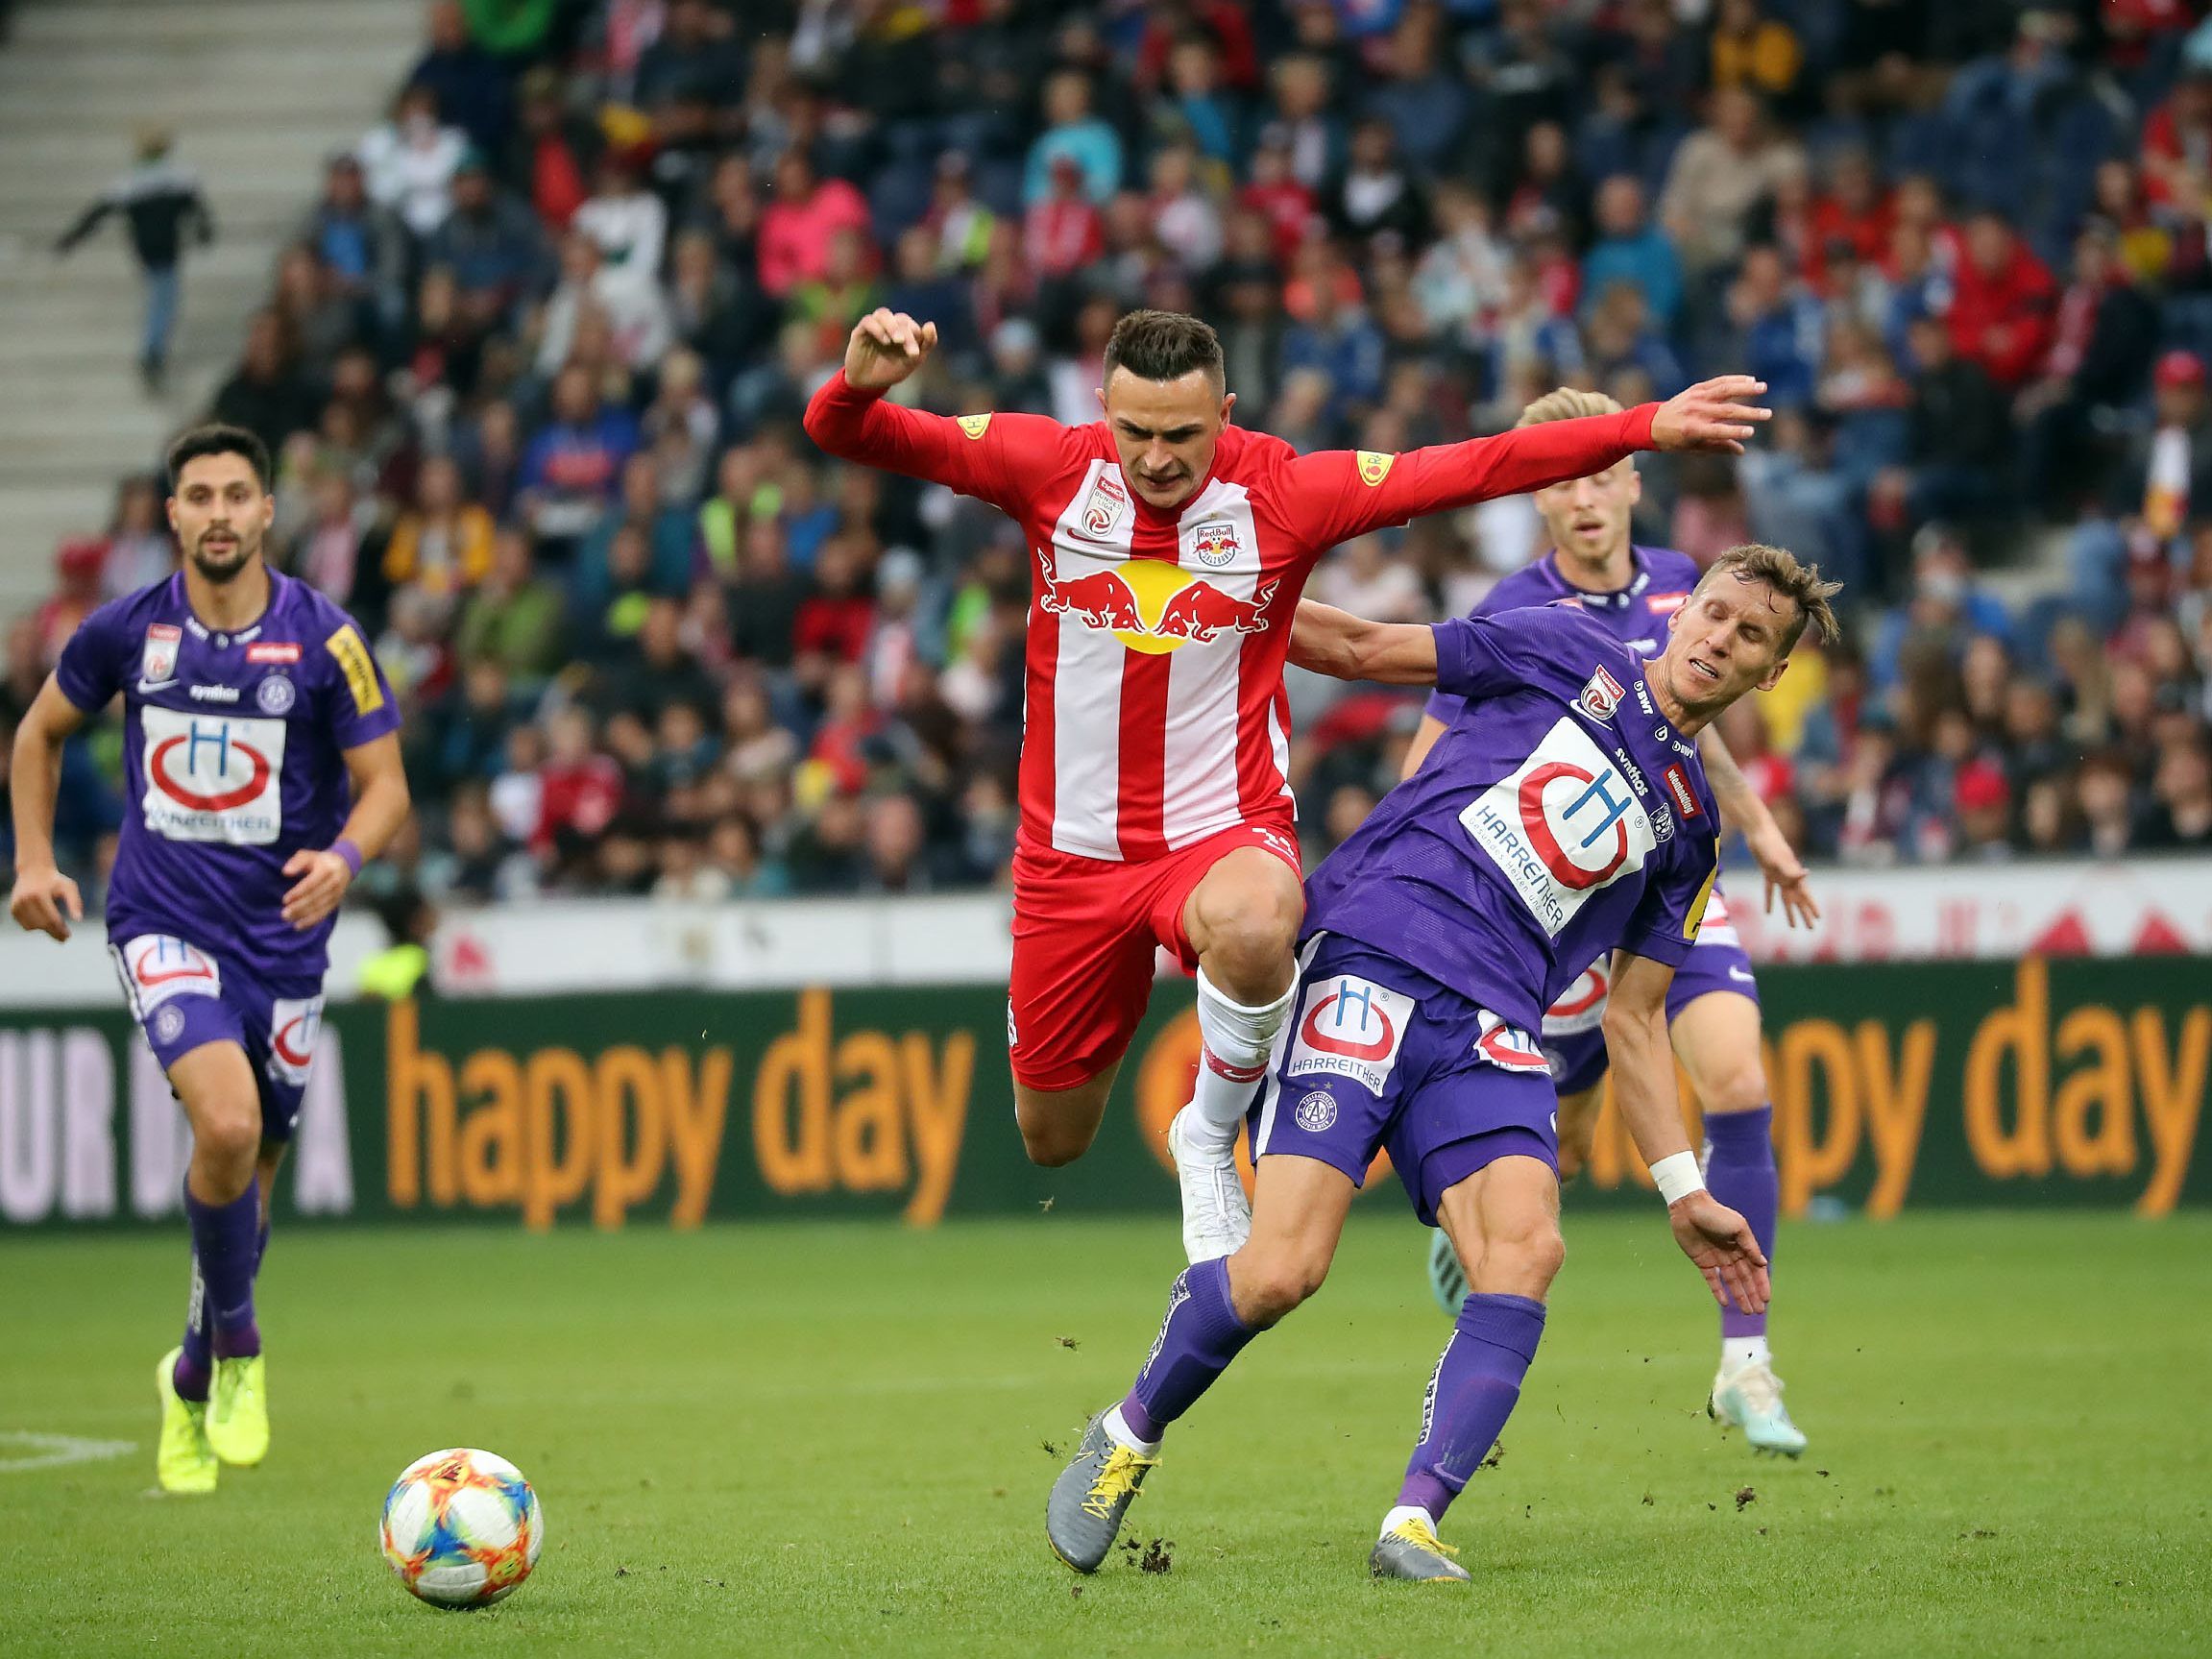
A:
(1524, 1261)
(1049, 1145)
(1739, 1087)
(228, 1133)
(1252, 931)
(1270, 1285)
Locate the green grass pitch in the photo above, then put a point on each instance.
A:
(814, 1439)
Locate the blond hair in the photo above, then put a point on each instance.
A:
(1568, 403)
(1779, 568)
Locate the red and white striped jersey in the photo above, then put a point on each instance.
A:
(1155, 715)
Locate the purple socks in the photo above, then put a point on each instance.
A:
(1741, 1174)
(1472, 1392)
(196, 1365)
(227, 1240)
(1197, 1340)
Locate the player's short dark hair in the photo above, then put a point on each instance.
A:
(1163, 346)
(1780, 569)
(217, 439)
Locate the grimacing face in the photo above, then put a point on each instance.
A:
(1165, 432)
(1726, 640)
(1588, 519)
(220, 513)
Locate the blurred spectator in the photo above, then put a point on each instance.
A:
(159, 199)
(141, 549)
(409, 161)
(444, 545)
(1719, 174)
(267, 395)
(513, 617)
(1075, 131)
(2002, 303)
(799, 224)
(468, 84)
(1632, 249)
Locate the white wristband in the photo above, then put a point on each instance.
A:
(1676, 1176)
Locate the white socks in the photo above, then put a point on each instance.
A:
(1118, 1429)
(1406, 1512)
(1237, 1042)
(1737, 1352)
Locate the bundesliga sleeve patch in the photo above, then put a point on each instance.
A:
(975, 426)
(358, 668)
(1374, 468)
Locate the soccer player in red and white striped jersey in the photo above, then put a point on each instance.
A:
(1168, 551)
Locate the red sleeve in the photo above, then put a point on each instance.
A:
(986, 456)
(1338, 494)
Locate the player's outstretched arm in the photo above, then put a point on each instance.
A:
(1718, 1240)
(380, 806)
(1339, 494)
(983, 455)
(44, 900)
(1344, 647)
(1739, 804)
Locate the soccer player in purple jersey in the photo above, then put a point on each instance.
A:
(262, 767)
(1566, 813)
(1712, 1004)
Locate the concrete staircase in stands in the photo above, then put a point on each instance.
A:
(257, 93)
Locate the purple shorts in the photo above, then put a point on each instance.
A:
(183, 996)
(1379, 1056)
(1578, 1056)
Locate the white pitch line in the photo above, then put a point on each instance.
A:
(52, 1451)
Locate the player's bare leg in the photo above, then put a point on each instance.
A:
(223, 1201)
(1059, 1124)
(1215, 1308)
(1503, 1221)
(1448, 1276)
(1242, 919)
(1717, 1039)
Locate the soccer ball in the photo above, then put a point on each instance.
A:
(461, 1527)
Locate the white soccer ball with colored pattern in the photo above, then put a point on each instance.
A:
(461, 1527)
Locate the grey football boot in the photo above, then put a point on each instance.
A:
(1412, 1550)
(1082, 1516)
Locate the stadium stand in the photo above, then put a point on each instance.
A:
(533, 363)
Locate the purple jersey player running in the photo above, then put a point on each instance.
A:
(1566, 813)
(1713, 1005)
(253, 712)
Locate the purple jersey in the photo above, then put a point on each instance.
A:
(232, 759)
(1562, 818)
(1636, 614)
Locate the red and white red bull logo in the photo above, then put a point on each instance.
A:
(1214, 544)
(1153, 606)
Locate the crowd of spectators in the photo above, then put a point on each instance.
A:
(533, 365)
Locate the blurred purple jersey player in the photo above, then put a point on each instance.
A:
(262, 767)
(1566, 815)
(1713, 1005)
